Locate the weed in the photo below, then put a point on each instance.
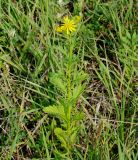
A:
(70, 94)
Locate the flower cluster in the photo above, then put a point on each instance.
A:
(69, 25)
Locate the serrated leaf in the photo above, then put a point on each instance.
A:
(57, 81)
(57, 111)
(61, 135)
(79, 77)
(73, 136)
(78, 90)
(79, 116)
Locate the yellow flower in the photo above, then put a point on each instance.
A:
(77, 19)
(58, 29)
(69, 25)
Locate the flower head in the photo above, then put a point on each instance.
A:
(77, 19)
(68, 26)
(58, 29)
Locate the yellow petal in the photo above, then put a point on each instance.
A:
(68, 31)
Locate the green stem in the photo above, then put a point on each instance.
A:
(69, 83)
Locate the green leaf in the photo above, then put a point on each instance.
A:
(77, 91)
(73, 136)
(7, 59)
(58, 82)
(57, 111)
(61, 135)
(79, 77)
(79, 116)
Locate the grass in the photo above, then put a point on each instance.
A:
(68, 97)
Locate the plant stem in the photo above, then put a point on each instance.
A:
(69, 82)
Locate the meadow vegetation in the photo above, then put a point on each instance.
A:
(68, 80)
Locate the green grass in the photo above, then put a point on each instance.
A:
(74, 97)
